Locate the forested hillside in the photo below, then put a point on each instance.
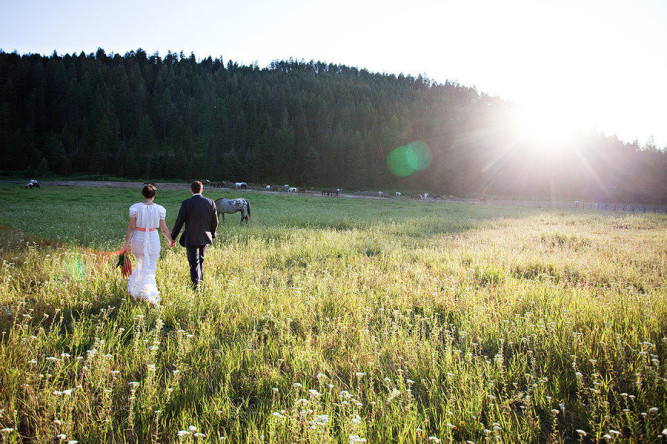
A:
(307, 124)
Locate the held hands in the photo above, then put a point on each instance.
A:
(171, 243)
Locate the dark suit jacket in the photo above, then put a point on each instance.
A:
(201, 220)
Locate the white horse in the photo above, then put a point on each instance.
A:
(240, 185)
(231, 206)
(292, 190)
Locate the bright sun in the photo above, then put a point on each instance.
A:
(547, 126)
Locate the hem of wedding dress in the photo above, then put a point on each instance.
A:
(153, 297)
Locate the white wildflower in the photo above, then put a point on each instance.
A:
(322, 419)
(394, 393)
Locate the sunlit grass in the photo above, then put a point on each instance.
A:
(336, 320)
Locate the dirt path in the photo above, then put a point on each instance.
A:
(362, 195)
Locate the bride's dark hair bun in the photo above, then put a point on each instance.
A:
(148, 190)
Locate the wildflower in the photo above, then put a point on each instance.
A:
(356, 419)
(314, 393)
(72, 441)
(554, 411)
(65, 355)
(182, 433)
(275, 389)
(67, 392)
(356, 438)
(134, 384)
(322, 419)
(297, 385)
(360, 374)
(199, 435)
(32, 361)
(192, 428)
(410, 381)
(434, 439)
(394, 393)
(58, 393)
(581, 432)
(321, 375)
(606, 436)
(614, 432)
(653, 410)
(7, 430)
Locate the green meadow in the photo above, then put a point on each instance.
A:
(334, 320)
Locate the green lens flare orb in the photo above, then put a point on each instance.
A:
(408, 159)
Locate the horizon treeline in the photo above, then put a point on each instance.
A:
(309, 124)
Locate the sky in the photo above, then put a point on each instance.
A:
(590, 64)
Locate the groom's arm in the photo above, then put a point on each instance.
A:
(180, 219)
(214, 220)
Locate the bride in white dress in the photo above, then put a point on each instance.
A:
(142, 236)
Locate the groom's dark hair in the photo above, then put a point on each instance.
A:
(196, 187)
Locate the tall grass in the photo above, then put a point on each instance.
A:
(335, 320)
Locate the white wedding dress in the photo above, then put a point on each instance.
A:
(145, 247)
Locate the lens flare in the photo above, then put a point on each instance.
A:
(77, 268)
(408, 159)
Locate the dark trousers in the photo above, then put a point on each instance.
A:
(196, 260)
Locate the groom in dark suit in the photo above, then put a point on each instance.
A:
(201, 220)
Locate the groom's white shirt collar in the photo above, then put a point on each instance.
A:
(197, 194)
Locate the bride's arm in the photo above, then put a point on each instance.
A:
(165, 232)
(128, 235)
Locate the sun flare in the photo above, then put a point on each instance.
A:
(547, 126)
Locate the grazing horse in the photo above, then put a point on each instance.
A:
(231, 206)
(240, 185)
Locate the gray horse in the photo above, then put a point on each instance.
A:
(231, 206)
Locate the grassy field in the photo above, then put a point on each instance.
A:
(334, 320)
